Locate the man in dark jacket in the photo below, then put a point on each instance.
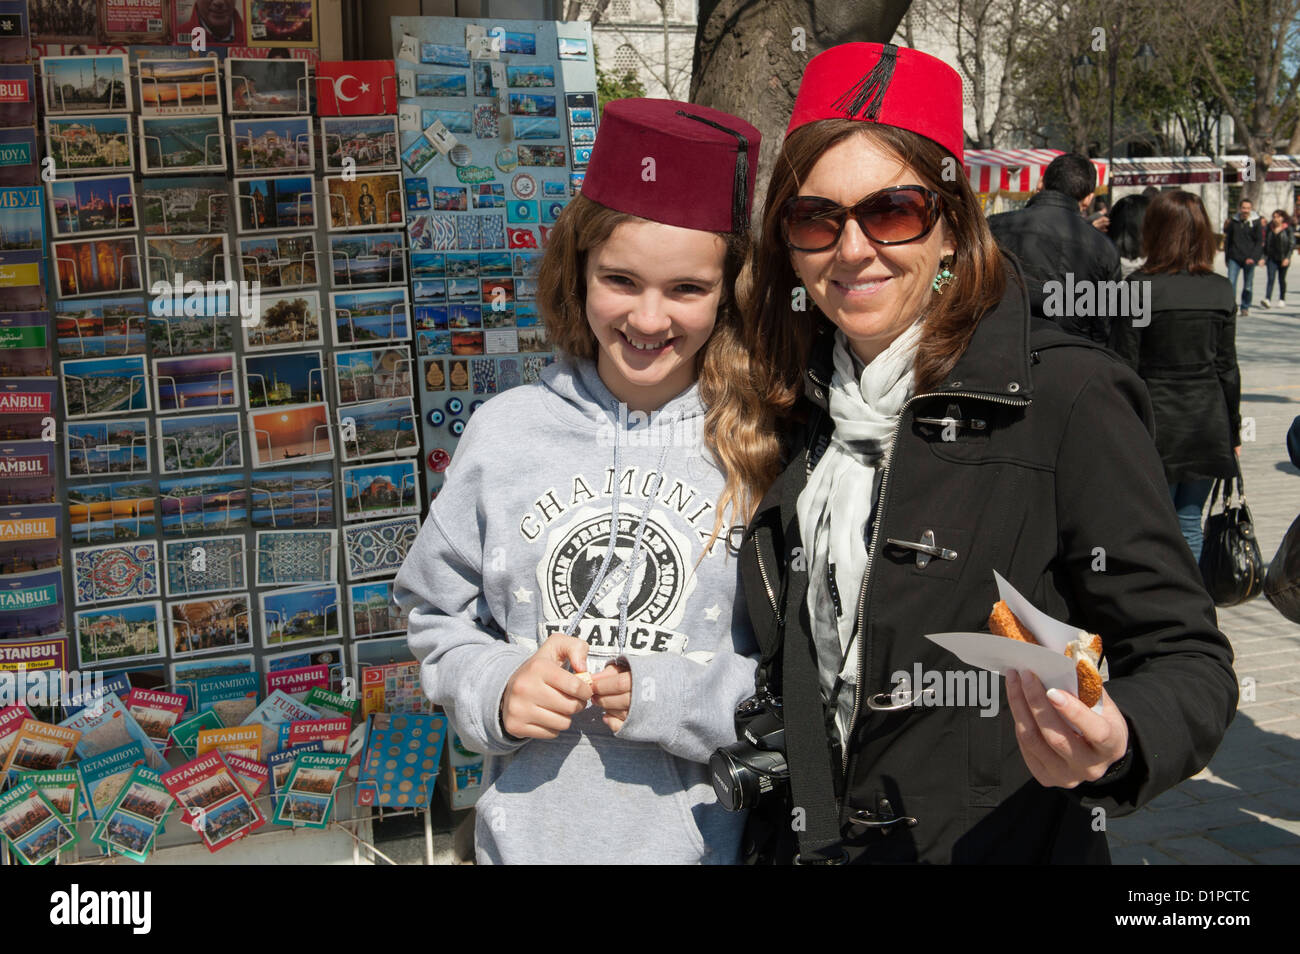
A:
(1051, 238)
(1243, 248)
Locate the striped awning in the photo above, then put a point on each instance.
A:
(1165, 170)
(1014, 171)
(1281, 168)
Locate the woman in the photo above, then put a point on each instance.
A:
(1278, 244)
(569, 559)
(937, 434)
(1187, 355)
(1126, 230)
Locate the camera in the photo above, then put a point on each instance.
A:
(752, 766)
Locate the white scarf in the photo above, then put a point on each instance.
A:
(845, 484)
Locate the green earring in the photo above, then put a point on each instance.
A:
(945, 276)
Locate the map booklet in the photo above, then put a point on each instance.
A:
(76, 701)
(245, 740)
(277, 709)
(333, 732)
(214, 800)
(103, 775)
(281, 762)
(298, 682)
(31, 826)
(327, 700)
(308, 796)
(233, 697)
(39, 745)
(254, 776)
(107, 724)
(61, 788)
(157, 713)
(186, 735)
(132, 822)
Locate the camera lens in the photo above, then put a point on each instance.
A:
(733, 782)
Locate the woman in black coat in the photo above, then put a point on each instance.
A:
(1187, 355)
(1278, 245)
(935, 434)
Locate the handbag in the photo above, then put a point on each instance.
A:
(1231, 565)
(1282, 581)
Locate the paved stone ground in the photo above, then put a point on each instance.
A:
(1244, 808)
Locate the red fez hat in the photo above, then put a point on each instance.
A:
(702, 174)
(885, 84)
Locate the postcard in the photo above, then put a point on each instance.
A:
(369, 141)
(276, 204)
(97, 266)
(279, 261)
(116, 572)
(379, 429)
(285, 321)
(209, 625)
(267, 86)
(364, 201)
(203, 504)
(302, 614)
(195, 382)
(191, 334)
(99, 513)
(286, 377)
(92, 144)
(103, 448)
(377, 258)
(93, 387)
(203, 258)
(179, 87)
(286, 434)
(204, 565)
(378, 548)
(273, 145)
(199, 442)
(370, 316)
(88, 206)
(293, 498)
(374, 612)
(86, 84)
(370, 374)
(119, 634)
(184, 205)
(170, 144)
(287, 557)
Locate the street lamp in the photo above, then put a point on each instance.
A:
(1082, 68)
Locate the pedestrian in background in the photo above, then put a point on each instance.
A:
(1278, 245)
(1050, 237)
(1187, 355)
(1126, 230)
(1243, 248)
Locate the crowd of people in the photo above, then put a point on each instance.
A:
(643, 637)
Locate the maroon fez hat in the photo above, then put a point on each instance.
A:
(704, 164)
(885, 84)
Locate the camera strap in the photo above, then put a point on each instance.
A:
(808, 754)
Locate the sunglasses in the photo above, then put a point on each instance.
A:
(891, 216)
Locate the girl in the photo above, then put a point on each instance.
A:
(570, 594)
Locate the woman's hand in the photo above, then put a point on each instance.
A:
(1063, 741)
(612, 690)
(542, 697)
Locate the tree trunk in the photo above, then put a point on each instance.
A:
(750, 55)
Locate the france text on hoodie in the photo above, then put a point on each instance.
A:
(513, 547)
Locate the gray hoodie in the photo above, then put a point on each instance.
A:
(509, 554)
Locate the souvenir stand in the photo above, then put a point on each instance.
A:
(209, 454)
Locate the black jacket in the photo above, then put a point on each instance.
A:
(1278, 245)
(1053, 460)
(1243, 240)
(1050, 238)
(1187, 356)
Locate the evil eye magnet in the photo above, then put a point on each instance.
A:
(458, 427)
(475, 406)
(436, 417)
(455, 405)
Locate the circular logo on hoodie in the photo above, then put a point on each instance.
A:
(660, 582)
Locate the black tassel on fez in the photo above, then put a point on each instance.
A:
(740, 185)
(870, 90)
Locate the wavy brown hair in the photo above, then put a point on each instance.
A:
(783, 336)
(1177, 236)
(737, 426)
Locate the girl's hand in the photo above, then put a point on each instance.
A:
(542, 697)
(1063, 741)
(612, 690)
(1286, 263)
